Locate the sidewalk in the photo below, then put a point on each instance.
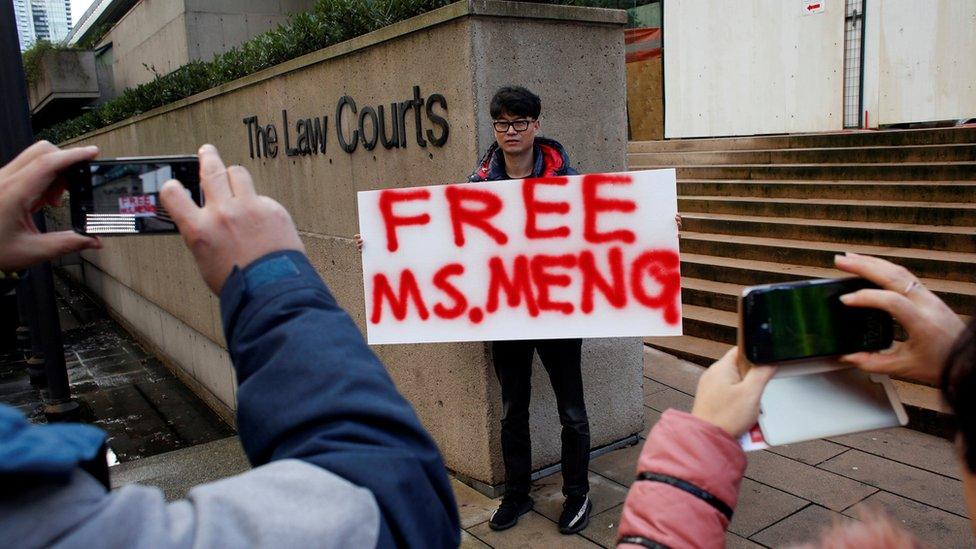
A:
(789, 494)
(123, 389)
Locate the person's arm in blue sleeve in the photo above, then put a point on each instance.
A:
(311, 389)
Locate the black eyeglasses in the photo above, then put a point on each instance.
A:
(501, 126)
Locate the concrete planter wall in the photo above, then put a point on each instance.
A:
(572, 57)
(64, 81)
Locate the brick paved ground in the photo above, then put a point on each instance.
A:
(789, 494)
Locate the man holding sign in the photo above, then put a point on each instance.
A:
(535, 264)
(518, 154)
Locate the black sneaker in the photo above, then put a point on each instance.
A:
(576, 515)
(508, 513)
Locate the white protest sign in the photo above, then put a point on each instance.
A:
(142, 205)
(558, 257)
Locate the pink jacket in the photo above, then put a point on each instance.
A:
(705, 461)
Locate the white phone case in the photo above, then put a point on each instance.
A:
(796, 408)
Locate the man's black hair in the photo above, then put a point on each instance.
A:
(959, 389)
(515, 100)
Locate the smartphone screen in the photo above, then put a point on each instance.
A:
(121, 196)
(807, 319)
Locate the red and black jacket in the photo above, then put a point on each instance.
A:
(550, 160)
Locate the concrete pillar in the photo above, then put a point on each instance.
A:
(572, 57)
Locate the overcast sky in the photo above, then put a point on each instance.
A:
(78, 8)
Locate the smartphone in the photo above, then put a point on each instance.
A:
(120, 196)
(806, 319)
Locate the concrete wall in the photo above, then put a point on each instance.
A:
(920, 61)
(104, 61)
(165, 34)
(463, 51)
(752, 67)
(215, 26)
(578, 71)
(63, 75)
(153, 33)
(756, 66)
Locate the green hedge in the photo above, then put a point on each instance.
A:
(328, 23)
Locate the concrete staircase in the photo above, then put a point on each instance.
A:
(777, 208)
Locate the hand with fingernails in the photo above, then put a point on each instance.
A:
(27, 183)
(728, 399)
(932, 327)
(235, 226)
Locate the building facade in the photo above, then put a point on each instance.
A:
(133, 41)
(816, 66)
(42, 20)
(140, 40)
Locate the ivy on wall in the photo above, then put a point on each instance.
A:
(328, 23)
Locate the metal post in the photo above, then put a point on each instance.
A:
(16, 135)
(59, 405)
(23, 326)
(34, 349)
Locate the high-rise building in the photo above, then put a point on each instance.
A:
(42, 20)
(25, 23)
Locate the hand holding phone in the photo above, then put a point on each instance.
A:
(729, 399)
(932, 327)
(27, 183)
(235, 226)
(807, 325)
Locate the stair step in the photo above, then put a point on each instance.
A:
(693, 349)
(713, 294)
(923, 213)
(895, 235)
(859, 138)
(909, 171)
(960, 296)
(919, 153)
(706, 323)
(919, 191)
(943, 265)
(777, 208)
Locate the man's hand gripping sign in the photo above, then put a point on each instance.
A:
(581, 256)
